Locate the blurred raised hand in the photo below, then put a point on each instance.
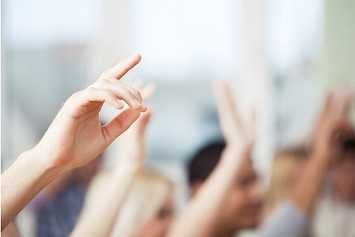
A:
(234, 129)
(333, 126)
(328, 137)
(237, 132)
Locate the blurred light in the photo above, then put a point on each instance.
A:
(293, 31)
(42, 22)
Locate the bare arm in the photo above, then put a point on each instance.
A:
(74, 138)
(198, 218)
(105, 197)
(11, 231)
(332, 126)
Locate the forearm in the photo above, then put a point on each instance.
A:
(104, 203)
(310, 184)
(21, 182)
(198, 218)
(11, 231)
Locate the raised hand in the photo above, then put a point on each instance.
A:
(74, 138)
(237, 133)
(333, 127)
(234, 129)
(76, 135)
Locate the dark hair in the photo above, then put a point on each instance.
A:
(202, 163)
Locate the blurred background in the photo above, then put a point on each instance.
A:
(282, 55)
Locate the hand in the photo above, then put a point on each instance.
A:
(333, 126)
(76, 135)
(234, 129)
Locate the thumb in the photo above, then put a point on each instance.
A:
(120, 124)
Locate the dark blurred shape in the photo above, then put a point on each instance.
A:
(349, 145)
(202, 163)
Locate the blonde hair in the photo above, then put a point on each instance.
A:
(147, 195)
(282, 180)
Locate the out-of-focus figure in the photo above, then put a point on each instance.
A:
(335, 215)
(286, 167)
(243, 207)
(149, 207)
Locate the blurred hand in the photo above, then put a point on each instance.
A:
(76, 135)
(333, 127)
(235, 131)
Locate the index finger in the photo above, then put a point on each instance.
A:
(120, 69)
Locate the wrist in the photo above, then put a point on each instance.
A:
(39, 161)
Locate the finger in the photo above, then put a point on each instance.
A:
(344, 104)
(131, 96)
(324, 114)
(138, 84)
(119, 124)
(120, 69)
(229, 118)
(147, 91)
(251, 130)
(102, 95)
(328, 106)
(124, 92)
(143, 121)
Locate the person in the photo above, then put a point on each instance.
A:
(246, 197)
(149, 208)
(335, 212)
(215, 208)
(286, 167)
(227, 196)
(74, 138)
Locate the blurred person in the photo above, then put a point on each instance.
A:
(287, 166)
(74, 138)
(335, 208)
(335, 215)
(327, 213)
(226, 193)
(149, 208)
(243, 207)
(220, 199)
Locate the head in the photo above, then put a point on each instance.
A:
(149, 207)
(243, 206)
